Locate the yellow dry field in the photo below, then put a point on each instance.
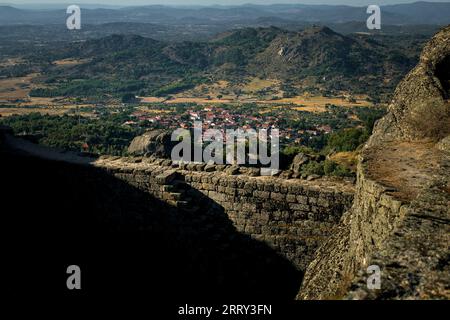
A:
(154, 111)
(51, 106)
(184, 99)
(319, 101)
(207, 94)
(228, 90)
(151, 99)
(12, 89)
(213, 88)
(257, 84)
(202, 91)
(60, 110)
(197, 100)
(11, 62)
(309, 104)
(15, 88)
(70, 62)
(313, 109)
(38, 101)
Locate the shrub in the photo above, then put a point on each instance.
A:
(292, 151)
(313, 167)
(347, 139)
(332, 168)
(329, 167)
(128, 98)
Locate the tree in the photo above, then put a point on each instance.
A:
(347, 139)
(128, 98)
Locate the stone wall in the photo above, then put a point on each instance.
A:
(63, 212)
(408, 240)
(364, 229)
(293, 217)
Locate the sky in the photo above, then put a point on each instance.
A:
(212, 2)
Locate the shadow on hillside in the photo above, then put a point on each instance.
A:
(126, 242)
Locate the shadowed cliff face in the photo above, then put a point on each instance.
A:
(443, 74)
(125, 241)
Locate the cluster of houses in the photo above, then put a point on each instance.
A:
(221, 118)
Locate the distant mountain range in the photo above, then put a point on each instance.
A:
(316, 56)
(437, 13)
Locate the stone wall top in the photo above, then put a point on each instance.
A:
(156, 167)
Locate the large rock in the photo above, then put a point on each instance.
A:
(299, 160)
(156, 142)
(420, 107)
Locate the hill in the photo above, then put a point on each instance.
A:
(317, 56)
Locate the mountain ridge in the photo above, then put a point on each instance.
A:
(414, 13)
(317, 55)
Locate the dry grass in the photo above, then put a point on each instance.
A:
(314, 109)
(207, 93)
(12, 89)
(7, 112)
(11, 62)
(15, 88)
(311, 104)
(257, 84)
(197, 100)
(151, 99)
(431, 120)
(154, 111)
(346, 159)
(70, 62)
(321, 102)
(405, 166)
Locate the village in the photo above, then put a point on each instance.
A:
(295, 126)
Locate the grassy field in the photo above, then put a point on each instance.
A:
(311, 104)
(15, 88)
(14, 95)
(319, 101)
(250, 92)
(257, 84)
(70, 62)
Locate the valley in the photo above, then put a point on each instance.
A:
(311, 83)
(253, 152)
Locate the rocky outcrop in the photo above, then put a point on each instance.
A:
(155, 142)
(299, 161)
(420, 107)
(400, 219)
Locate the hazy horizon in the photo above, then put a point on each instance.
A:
(211, 2)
